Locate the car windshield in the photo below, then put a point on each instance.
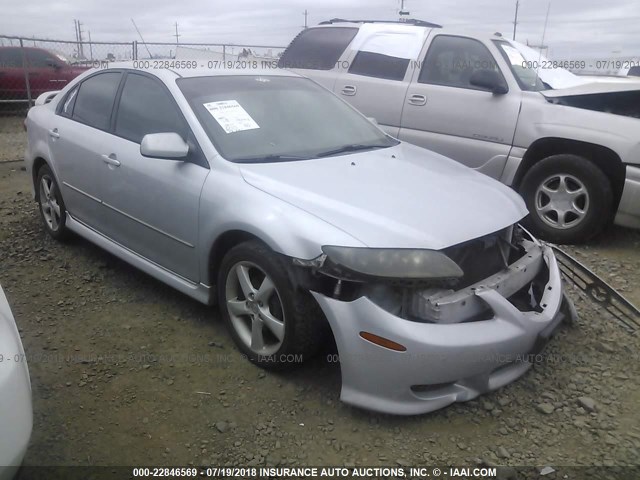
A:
(262, 118)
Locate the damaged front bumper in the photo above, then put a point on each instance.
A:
(446, 361)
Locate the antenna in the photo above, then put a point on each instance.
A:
(177, 35)
(515, 20)
(143, 42)
(403, 12)
(544, 33)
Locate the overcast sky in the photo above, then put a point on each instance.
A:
(576, 27)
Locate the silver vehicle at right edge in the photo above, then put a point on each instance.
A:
(265, 193)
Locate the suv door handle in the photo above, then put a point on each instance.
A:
(349, 90)
(54, 133)
(418, 100)
(111, 160)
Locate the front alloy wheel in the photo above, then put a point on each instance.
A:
(255, 308)
(274, 322)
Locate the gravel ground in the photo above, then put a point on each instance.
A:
(125, 371)
(12, 138)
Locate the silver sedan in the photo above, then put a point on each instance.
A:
(265, 193)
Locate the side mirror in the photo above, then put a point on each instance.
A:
(489, 80)
(53, 64)
(168, 146)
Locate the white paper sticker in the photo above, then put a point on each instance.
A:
(231, 116)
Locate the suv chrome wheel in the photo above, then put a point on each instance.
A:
(562, 201)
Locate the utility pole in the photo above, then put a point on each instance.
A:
(80, 46)
(515, 20)
(90, 46)
(306, 14)
(177, 35)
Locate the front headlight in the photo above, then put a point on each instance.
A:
(393, 263)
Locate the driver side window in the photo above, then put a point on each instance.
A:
(146, 107)
(451, 61)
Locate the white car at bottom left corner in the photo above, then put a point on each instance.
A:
(16, 414)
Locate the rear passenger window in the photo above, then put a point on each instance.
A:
(379, 66)
(95, 98)
(146, 107)
(317, 48)
(10, 57)
(452, 60)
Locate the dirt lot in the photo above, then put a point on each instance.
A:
(127, 371)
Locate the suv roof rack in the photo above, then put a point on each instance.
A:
(408, 21)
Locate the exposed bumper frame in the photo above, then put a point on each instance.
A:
(443, 363)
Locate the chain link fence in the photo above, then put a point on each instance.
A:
(32, 66)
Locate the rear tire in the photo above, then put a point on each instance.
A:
(52, 209)
(276, 325)
(570, 200)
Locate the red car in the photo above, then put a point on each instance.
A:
(47, 71)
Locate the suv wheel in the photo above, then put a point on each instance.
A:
(568, 197)
(52, 209)
(274, 324)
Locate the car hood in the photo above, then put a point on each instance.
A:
(592, 89)
(402, 197)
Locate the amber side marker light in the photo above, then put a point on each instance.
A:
(383, 342)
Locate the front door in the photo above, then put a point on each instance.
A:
(151, 205)
(445, 113)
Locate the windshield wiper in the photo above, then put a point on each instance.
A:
(349, 148)
(270, 158)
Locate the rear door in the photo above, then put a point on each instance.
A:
(380, 68)
(316, 53)
(151, 205)
(78, 135)
(445, 113)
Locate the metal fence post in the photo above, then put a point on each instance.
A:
(134, 54)
(25, 68)
(224, 53)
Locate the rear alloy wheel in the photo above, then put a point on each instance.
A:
(569, 198)
(52, 209)
(275, 324)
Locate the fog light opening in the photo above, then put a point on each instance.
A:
(383, 342)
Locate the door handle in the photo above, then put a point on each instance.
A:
(418, 100)
(111, 160)
(349, 90)
(54, 133)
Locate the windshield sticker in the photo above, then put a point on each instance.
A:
(515, 57)
(231, 116)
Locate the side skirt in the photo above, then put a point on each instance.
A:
(197, 291)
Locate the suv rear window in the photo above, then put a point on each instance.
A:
(378, 65)
(317, 48)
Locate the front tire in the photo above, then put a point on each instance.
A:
(276, 325)
(52, 209)
(570, 199)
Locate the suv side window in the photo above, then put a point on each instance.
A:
(95, 98)
(317, 48)
(146, 107)
(40, 59)
(10, 57)
(378, 65)
(452, 60)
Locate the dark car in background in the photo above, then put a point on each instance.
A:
(46, 71)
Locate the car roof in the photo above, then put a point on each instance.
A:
(383, 25)
(172, 71)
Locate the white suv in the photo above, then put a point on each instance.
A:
(570, 148)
